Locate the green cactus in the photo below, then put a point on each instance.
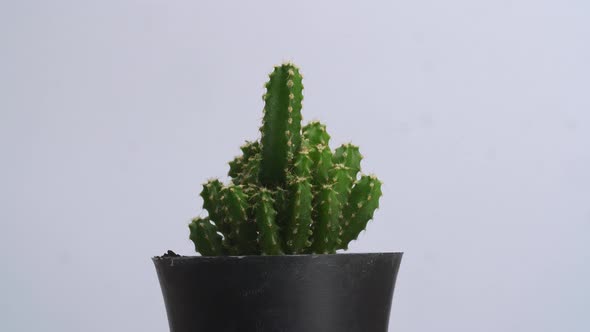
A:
(242, 228)
(268, 232)
(316, 135)
(204, 235)
(244, 169)
(289, 193)
(326, 236)
(297, 233)
(360, 208)
(281, 125)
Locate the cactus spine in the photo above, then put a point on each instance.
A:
(289, 193)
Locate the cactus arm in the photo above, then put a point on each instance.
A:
(250, 148)
(297, 234)
(211, 195)
(347, 165)
(205, 237)
(242, 230)
(249, 175)
(362, 203)
(318, 139)
(322, 157)
(248, 172)
(282, 200)
(326, 233)
(349, 156)
(281, 124)
(343, 182)
(242, 165)
(236, 167)
(315, 133)
(268, 232)
(251, 154)
(298, 230)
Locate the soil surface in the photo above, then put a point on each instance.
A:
(170, 253)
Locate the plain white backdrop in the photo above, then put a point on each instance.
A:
(476, 115)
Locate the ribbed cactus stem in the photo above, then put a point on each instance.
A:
(282, 200)
(315, 134)
(326, 233)
(298, 233)
(281, 125)
(343, 181)
(362, 203)
(322, 157)
(211, 195)
(236, 166)
(249, 174)
(298, 230)
(268, 231)
(349, 156)
(205, 237)
(243, 231)
(241, 168)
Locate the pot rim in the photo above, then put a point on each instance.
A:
(254, 257)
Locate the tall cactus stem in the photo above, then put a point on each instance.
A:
(281, 124)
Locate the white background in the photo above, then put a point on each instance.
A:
(475, 114)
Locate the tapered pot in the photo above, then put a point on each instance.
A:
(297, 293)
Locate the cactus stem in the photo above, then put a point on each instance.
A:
(283, 104)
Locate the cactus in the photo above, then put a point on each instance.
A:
(268, 232)
(242, 228)
(204, 235)
(289, 192)
(297, 231)
(281, 125)
(360, 208)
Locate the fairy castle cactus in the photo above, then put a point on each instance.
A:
(289, 192)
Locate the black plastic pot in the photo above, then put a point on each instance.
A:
(302, 293)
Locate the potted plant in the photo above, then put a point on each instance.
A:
(268, 244)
